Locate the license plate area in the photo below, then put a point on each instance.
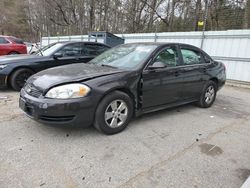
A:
(22, 104)
(25, 107)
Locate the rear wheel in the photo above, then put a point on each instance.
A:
(113, 113)
(19, 77)
(208, 95)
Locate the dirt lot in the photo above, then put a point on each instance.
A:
(181, 147)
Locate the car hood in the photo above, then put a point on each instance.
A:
(46, 79)
(8, 59)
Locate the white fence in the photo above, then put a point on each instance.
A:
(232, 47)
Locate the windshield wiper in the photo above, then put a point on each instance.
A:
(40, 51)
(105, 65)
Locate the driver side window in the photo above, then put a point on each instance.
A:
(71, 50)
(168, 56)
(3, 41)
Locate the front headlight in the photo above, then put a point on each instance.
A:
(2, 66)
(68, 91)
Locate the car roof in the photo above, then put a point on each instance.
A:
(159, 44)
(6, 36)
(85, 42)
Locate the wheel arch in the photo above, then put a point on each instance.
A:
(124, 90)
(215, 80)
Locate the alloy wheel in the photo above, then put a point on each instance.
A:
(209, 95)
(116, 113)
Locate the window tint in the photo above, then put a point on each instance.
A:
(207, 59)
(94, 49)
(3, 41)
(71, 50)
(191, 57)
(168, 56)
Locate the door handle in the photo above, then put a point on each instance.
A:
(176, 73)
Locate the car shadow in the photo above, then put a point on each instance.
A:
(81, 131)
(164, 113)
(5, 90)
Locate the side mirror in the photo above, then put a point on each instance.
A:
(57, 55)
(157, 65)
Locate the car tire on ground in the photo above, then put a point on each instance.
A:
(208, 95)
(113, 113)
(19, 77)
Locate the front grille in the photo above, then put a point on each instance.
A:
(31, 90)
(57, 118)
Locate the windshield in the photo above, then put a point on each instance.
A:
(49, 49)
(128, 56)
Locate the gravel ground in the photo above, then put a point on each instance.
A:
(180, 147)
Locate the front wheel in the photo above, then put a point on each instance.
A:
(114, 113)
(19, 77)
(208, 95)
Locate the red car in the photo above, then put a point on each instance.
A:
(11, 45)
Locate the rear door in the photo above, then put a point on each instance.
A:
(193, 70)
(71, 53)
(162, 86)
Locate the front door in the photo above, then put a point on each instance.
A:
(71, 53)
(162, 85)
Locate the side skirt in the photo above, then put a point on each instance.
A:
(162, 107)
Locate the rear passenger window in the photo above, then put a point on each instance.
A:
(191, 57)
(207, 59)
(3, 41)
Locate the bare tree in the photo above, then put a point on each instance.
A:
(246, 23)
(32, 19)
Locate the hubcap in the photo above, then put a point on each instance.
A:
(116, 113)
(209, 95)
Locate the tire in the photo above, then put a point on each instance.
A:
(113, 113)
(208, 95)
(19, 77)
(13, 53)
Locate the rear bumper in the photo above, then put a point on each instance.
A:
(221, 84)
(70, 112)
(221, 80)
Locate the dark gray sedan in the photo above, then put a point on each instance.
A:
(121, 83)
